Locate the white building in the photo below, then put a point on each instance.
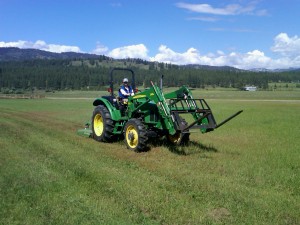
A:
(250, 88)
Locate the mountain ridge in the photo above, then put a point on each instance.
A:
(17, 54)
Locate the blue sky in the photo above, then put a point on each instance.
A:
(241, 33)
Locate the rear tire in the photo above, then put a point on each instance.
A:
(102, 125)
(135, 135)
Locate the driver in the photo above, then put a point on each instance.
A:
(125, 90)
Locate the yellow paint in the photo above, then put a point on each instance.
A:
(139, 96)
(98, 125)
(133, 143)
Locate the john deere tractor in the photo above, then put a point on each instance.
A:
(150, 114)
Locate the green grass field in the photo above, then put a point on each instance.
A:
(246, 172)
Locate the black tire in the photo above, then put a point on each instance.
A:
(135, 135)
(179, 138)
(102, 125)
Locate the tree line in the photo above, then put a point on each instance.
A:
(93, 74)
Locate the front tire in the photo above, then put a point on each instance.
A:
(135, 135)
(102, 125)
(179, 138)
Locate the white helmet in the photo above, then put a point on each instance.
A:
(125, 80)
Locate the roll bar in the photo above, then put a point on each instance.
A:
(112, 81)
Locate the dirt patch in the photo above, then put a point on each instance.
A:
(219, 214)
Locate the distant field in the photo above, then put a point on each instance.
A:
(284, 86)
(198, 93)
(246, 172)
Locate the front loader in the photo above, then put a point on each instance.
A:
(150, 114)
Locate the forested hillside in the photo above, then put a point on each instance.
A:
(92, 73)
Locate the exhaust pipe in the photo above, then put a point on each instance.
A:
(161, 82)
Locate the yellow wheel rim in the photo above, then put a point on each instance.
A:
(98, 125)
(132, 136)
(174, 138)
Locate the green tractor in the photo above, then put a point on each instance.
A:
(149, 114)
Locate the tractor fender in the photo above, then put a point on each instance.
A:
(115, 113)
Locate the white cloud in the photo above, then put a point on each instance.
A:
(191, 56)
(206, 8)
(286, 46)
(18, 44)
(100, 49)
(167, 55)
(231, 9)
(220, 52)
(249, 60)
(131, 51)
(205, 19)
(256, 59)
(42, 45)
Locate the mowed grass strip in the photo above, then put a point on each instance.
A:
(42, 183)
(246, 172)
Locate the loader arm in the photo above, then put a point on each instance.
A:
(163, 108)
(154, 96)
